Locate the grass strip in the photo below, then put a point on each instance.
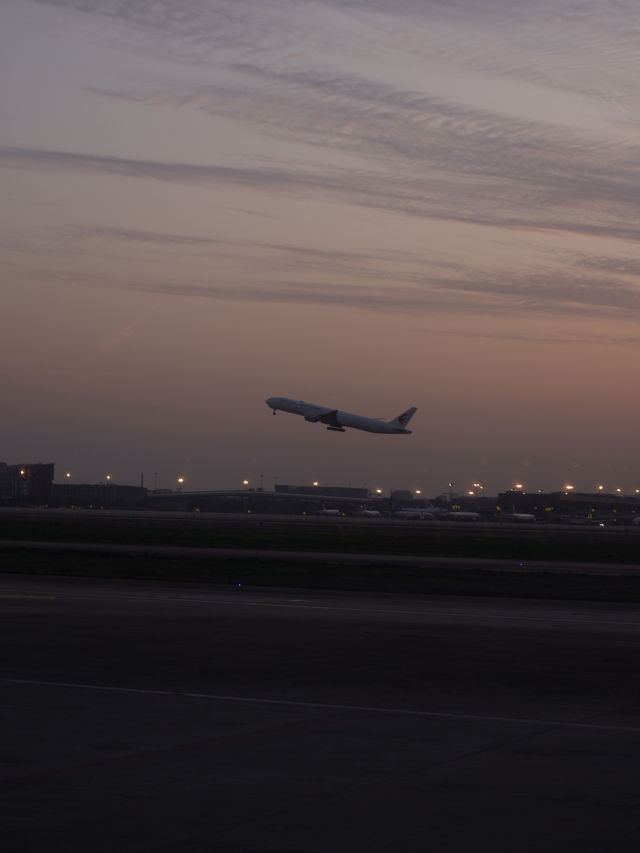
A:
(535, 544)
(244, 573)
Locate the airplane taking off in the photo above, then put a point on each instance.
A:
(337, 420)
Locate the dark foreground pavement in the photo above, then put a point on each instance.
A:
(168, 717)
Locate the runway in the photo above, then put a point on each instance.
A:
(178, 717)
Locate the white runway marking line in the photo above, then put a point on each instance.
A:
(456, 613)
(326, 706)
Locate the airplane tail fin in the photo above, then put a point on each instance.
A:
(402, 420)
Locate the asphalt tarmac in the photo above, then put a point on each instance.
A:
(172, 717)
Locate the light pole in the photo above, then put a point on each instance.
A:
(567, 489)
(22, 483)
(180, 482)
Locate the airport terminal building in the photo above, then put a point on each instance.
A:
(26, 483)
(30, 484)
(286, 500)
(571, 506)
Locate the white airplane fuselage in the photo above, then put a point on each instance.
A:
(406, 512)
(336, 420)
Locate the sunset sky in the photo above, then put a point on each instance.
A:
(366, 204)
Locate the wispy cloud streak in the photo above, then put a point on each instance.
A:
(131, 235)
(132, 168)
(504, 296)
(515, 116)
(417, 196)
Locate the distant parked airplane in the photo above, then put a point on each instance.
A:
(411, 512)
(337, 420)
(522, 517)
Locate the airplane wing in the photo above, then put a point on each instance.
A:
(330, 418)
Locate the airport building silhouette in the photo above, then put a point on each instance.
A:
(31, 484)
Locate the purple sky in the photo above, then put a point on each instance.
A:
(367, 205)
